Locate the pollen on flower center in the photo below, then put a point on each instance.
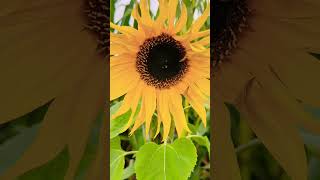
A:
(97, 13)
(161, 61)
(229, 19)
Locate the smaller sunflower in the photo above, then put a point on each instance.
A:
(159, 64)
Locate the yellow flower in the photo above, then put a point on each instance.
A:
(159, 63)
(264, 67)
(47, 55)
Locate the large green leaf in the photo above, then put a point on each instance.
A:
(53, 170)
(128, 171)
(116, 159)
(166, 161)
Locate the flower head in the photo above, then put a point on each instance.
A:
(159, 63)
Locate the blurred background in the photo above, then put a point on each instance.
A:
(255, 161)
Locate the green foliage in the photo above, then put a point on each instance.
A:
(117, 124)
(53, 170)
(202, 141)
(128, 171)
(116, 159)
(166, 161)
(132, 161)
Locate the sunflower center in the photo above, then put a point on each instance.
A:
(229, 19)
(97, 13)
(161, 61)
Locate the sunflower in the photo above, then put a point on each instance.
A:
(49, 53)
(159, 64)
(264, 64)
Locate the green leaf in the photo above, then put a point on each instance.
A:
(202, 141)
(112, 10)
(115, 143)
(127, 13)
(314, 164)
(166, 161)
(128, 171)
(53, 170)
(17, 135)
(117, 124)
(116, 159)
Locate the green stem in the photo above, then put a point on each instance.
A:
(191, 136)
(130, 152)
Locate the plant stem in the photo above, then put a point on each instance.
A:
(130, 152)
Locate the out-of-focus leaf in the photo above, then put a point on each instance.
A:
(166, 161)
(137, 139)
(22, 132)
(314, 164)
(202, 141)
(192, 128)
(112, 2)
(128, 171)
(12, 150)
(53, 170)
(190, 9)
(117, 124)
(116, 159)
(90, 151)
(127, 13)
(201, 130)
(311, 139)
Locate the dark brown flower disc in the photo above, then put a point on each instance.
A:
(97, 15)
(161, 61)
(230, 17)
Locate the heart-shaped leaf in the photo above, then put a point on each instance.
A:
(166, 161)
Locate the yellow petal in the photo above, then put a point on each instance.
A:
(121, 83)
(41, 71)
(130, 101)
(163, 112)
(71, 115)
(204, 85)
(226, 166)
(268, 121)
(145, 14)
(128, 31)
(199, 34)
(163, 15)
(182, 20)
(172, 14)
(176, 109)
(198, 107)
(201, 20)
(149, 100)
